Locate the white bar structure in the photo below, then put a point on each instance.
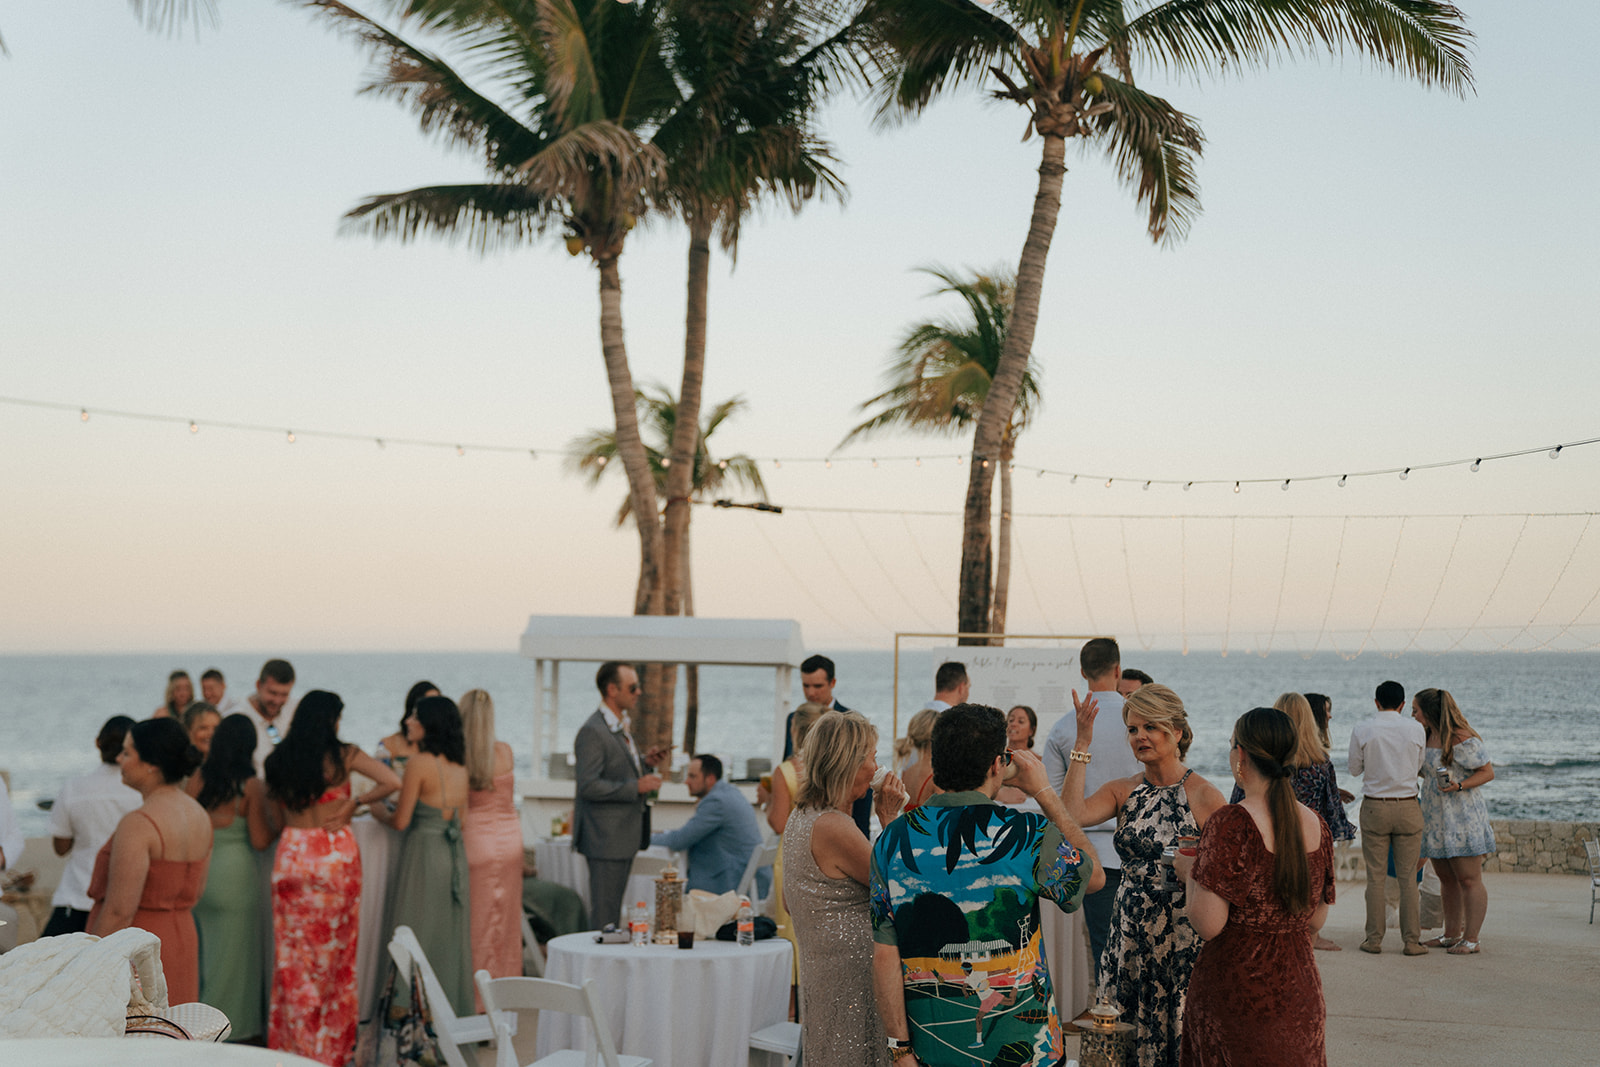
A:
(552, 639)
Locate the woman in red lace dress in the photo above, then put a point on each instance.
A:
(1258, 890)
(316, 882)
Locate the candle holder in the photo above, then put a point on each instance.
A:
(669, 902)
(1103, 1040)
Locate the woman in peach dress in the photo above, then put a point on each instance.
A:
(493, 837)
(153, 869)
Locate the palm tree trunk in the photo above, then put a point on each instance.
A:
(686, 430)
(691, 697)
(653, 725)
(1002, 553)
(973, 606)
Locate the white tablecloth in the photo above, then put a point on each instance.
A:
(558, 862)
(693, 1008)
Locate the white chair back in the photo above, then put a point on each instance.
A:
(502, 995)
(765, 855)
(452, 1030)
(532, 954)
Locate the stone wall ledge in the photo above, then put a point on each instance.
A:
(1539, 846)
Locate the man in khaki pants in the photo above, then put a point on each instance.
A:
(1386, 754)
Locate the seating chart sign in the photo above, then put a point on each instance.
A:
(1041, 678)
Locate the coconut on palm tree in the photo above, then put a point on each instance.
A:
(939, 379)
(593, 454)
(1070, 65)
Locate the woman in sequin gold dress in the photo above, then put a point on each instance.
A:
(826, 868)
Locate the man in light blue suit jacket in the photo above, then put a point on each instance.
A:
(722, 833)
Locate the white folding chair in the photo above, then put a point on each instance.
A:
(503, 996)
(452, 1031)
(765, 855)
(1592, 847)
(782, 1039)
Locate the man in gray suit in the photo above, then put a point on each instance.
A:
(611, 816)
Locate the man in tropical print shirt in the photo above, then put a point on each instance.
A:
(959, 967)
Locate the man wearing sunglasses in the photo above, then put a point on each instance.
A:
(611, 814)
(265, 707)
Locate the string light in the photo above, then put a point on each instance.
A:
(1187, 486)
(291, 436)
(1475, 465)
(1108, 483)
(600, 461)
(1286, 485)
(1147, 487)
(379, 441)
(919, 463)
(722, 464)
(460, 451)
(83, 414)
(1555, 453)
(1405, 474)
(778, 463)
(828, 463)
(1342, 479)
(666, 461)
(194, 427)
(532, 454)
(985, 464)
(875, 464)
(1235, 487)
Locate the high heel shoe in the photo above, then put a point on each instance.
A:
(1442, 941)
(1464, 948)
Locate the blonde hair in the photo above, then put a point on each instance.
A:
(805, 717)
(919, 735)
(1159, 706)
(477, 725)
(834, 750)
(1309, 751)
(1444, 720)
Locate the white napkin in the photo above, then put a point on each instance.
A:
(712, 912)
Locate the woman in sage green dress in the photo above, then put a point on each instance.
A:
(229, 913)
(429, 889)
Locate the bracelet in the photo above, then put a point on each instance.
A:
(1078, 757)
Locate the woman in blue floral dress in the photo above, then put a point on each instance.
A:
(1455, 821)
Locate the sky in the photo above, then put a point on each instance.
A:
(1383, 276)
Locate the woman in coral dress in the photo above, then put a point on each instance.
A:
(493, 838)
(316, 882)
(1258, 891)
(153, 869)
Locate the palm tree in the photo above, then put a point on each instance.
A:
(1056, 58)
(166, 15)
(570, 88)
(939, 379)
(592, 455)
(753, 74)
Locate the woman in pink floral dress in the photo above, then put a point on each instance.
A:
(316, 882)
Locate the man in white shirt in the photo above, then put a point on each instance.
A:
(951, 687)
(265, 707)
(214, 691)
(84, 816)
(1386, 754)
(1110, 757)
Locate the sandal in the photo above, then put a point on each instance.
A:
(1464, 948)
(1442, 941)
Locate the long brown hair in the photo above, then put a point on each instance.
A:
(1267, 738)
(1443, 716)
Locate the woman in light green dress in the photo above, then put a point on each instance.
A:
(229, 913)
(429, 890)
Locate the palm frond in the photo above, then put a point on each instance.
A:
(443, 101)
(573, 163)
(928, 46)
(1425, 39)
(170, 15)
(1154, 147)
(487, 217)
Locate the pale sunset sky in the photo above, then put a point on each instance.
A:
(1383, 275)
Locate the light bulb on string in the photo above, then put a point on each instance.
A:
(1147, 487)
(1108, 483)
(1235, 487)
(985, 464)
(1286, 485)
(1475, 465)
(532, 454)
(1074, 480)
(1405, 474)
(1186, 486)
(722, 464)
(83, 414)
(778, 463)
(1040, 474)
(827, 464)
(1342, 479)
(379, 441)
(460, 451)
(1555, 453)
(666, 461)
(290, 435)
(919, 461)
(600, 461)
(874, 463)
(194, 427)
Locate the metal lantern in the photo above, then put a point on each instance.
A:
(1103, 1041)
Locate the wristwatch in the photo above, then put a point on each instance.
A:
(899, 1049)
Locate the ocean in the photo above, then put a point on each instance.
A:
(1539, 713)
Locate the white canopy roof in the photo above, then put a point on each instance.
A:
(664, 639)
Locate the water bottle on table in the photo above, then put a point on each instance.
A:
(745, 922)
(639, 925)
